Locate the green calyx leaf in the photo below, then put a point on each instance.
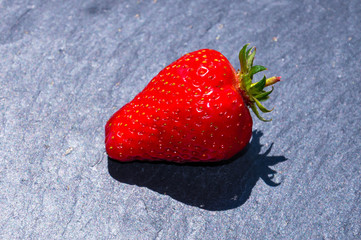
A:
(255, 69)
(254, 93)
(243, 59)
(264, 95)
(257, 87)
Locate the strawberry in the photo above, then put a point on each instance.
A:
(194, 110)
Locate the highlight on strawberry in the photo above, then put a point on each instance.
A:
(195, 110)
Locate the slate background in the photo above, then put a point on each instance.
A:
(67, 66)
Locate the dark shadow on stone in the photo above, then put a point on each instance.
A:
(211, 186)
(100, 7)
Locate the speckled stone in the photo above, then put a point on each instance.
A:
(67, 66)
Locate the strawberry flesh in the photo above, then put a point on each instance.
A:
(192, 111)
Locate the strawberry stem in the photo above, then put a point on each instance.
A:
(254, 93)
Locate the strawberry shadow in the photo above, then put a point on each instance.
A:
(216, 186)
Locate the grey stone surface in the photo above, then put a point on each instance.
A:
(66, 66)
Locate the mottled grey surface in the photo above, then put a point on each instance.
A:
(66, 66)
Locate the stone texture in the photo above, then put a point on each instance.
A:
(66, 66)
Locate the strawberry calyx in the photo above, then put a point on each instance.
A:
(254, 93)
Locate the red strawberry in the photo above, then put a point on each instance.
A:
(194, 110)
